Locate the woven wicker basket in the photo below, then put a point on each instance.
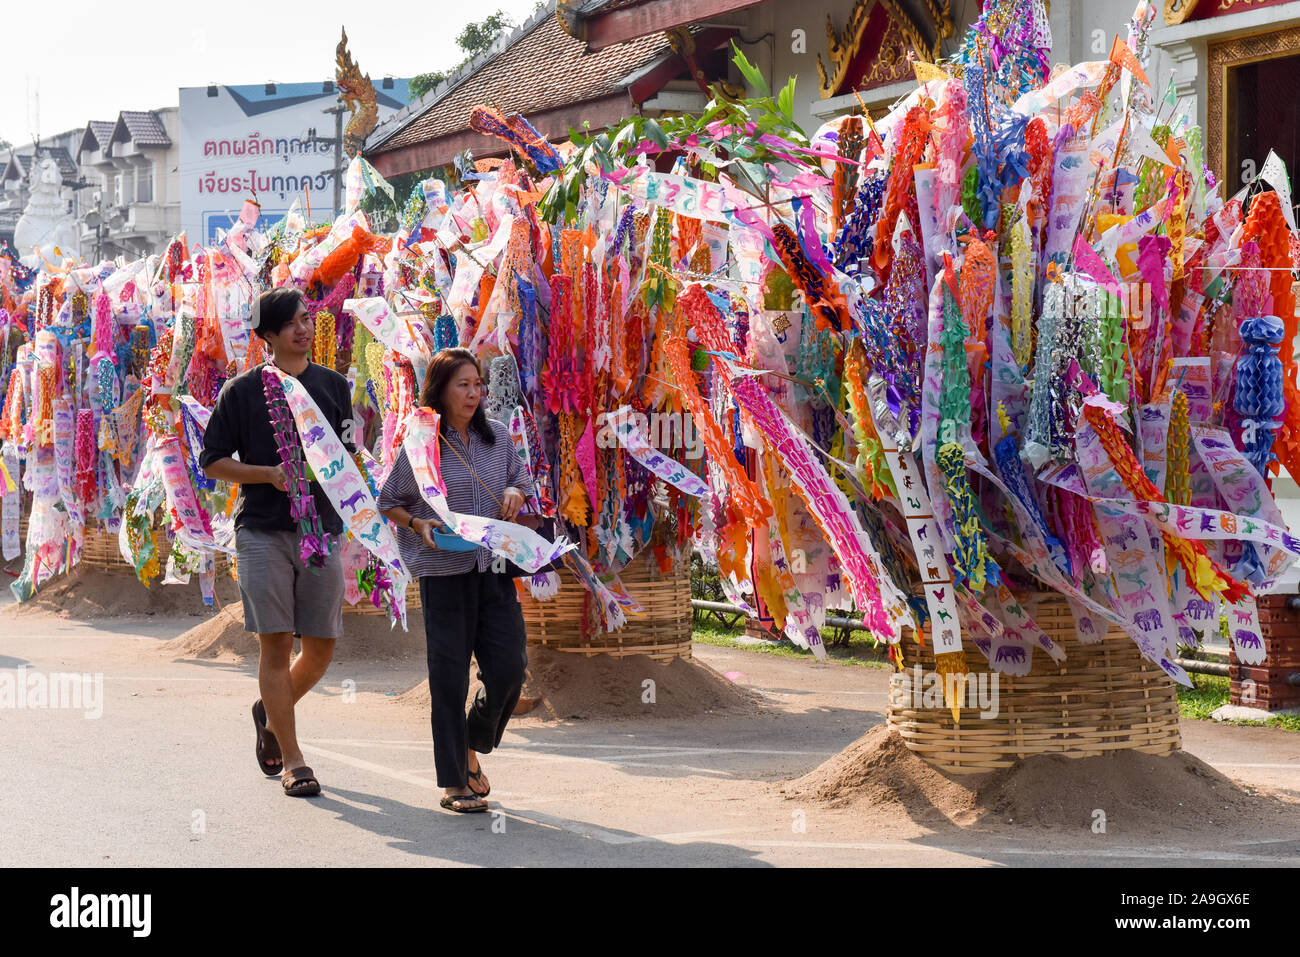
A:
(366, 607)
(662, 631)
(1104, 697)
(100, 551)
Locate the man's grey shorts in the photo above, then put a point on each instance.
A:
(282, 593)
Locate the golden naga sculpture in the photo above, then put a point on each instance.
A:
(358, 93)
(901, 34)
(566, 14)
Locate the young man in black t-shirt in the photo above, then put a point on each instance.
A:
(283, 596)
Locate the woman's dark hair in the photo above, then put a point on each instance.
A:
(442, 369)
(275, 309)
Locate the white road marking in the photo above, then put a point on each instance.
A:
(407, 776)
(528, 745)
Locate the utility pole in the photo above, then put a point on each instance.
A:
(340, 167)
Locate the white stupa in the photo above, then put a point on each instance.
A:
(45, 224)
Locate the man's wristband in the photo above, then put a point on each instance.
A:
(410, 523)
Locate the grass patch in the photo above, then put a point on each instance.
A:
(1210, 692)
(860, 650)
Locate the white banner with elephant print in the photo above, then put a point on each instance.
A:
(508, 540)
(10, 501)
(1153, 427)
(1138, 582)
(1189, 522)
(47, 526)
(1247, 494)
(1202, 523)
(625, 428)
(927, 546)
(341, 481)
(518, 427)
(397, 333)
(986, 628)
(1241, 622)
(193, 526)
(1069, 477)
(1021, 631)
(1035, 555)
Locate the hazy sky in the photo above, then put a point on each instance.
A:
(89, 64)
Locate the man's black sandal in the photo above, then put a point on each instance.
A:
(267, 746)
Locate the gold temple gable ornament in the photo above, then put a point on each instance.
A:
(1176, 11)
(928, 72)
(901, 35)
(358, 93)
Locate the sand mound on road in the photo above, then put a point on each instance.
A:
(365, 638)
(563, 686)
(90, 593)
(1139, 793)
(878, 771)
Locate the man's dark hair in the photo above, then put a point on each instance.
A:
(275, 309)
(442, 369)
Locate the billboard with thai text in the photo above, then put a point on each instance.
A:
(253, 142)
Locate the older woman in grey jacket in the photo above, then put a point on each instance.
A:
(469, 607)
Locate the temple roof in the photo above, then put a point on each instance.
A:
(538, 67)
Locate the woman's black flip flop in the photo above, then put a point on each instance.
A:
(478, 776)
(449, 802)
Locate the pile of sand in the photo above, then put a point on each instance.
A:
(1139, 793)
(365, 638)
(90, 593)
(563, 686)
(878, 771)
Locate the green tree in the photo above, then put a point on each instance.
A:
(423, 83)
(476, 38)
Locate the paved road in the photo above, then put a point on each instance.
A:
(166, 775)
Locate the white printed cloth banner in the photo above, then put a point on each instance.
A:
(374, 313)
(1138, 573)
(342, 482)
(508, 540)
(622, 423)
(11, 501)
(302, 268)
(927, 546)
(193, 526)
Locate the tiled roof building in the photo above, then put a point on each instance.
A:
(541, 71)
